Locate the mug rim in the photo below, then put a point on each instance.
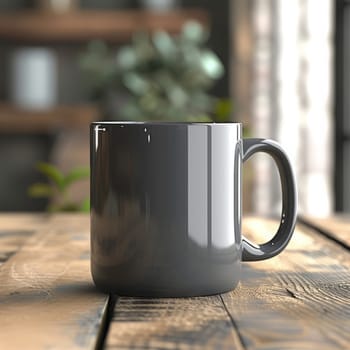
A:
(156, 123)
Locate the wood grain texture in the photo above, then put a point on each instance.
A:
(187, 323)
(11, 241)
(22, 221)
(297, 300)
(15, 229)
(47, 298)
(80, 26)
(336, 227)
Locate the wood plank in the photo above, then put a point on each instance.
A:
(297, 300)
(15, 229)
(336, 227)
(22, 221)
(11, 241)
(172, 323)
(47, 297)
(19, 120)
(82, 26)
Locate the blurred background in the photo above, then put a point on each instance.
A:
(277, 66)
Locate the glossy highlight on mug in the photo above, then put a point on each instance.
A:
(166, 207)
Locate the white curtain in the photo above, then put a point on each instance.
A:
(291, 98)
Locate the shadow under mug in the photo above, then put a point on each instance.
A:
(166, 204)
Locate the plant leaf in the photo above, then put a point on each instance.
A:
(52, 174)
(85, 206)
(65, 207)
(135, 83)
(39, 190)
(76, 174)
(223, 109)
(164, 44)
(126, 58)
(211, 64)
(194, 32)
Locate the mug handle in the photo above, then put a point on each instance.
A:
(255, 252)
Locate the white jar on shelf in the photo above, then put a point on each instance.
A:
(159, 5)
(33, 78)
(57, 6)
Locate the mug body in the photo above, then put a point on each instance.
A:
(165, 208)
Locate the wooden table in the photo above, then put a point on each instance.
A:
(297, 300)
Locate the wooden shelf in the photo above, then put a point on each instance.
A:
(15, 120)
(82, 26)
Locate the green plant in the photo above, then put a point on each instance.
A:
(160, 77)
(58, 186)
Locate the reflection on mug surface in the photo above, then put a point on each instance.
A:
(166, 207)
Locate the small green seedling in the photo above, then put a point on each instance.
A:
(57, 189)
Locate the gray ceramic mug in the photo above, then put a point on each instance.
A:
(166, 207)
